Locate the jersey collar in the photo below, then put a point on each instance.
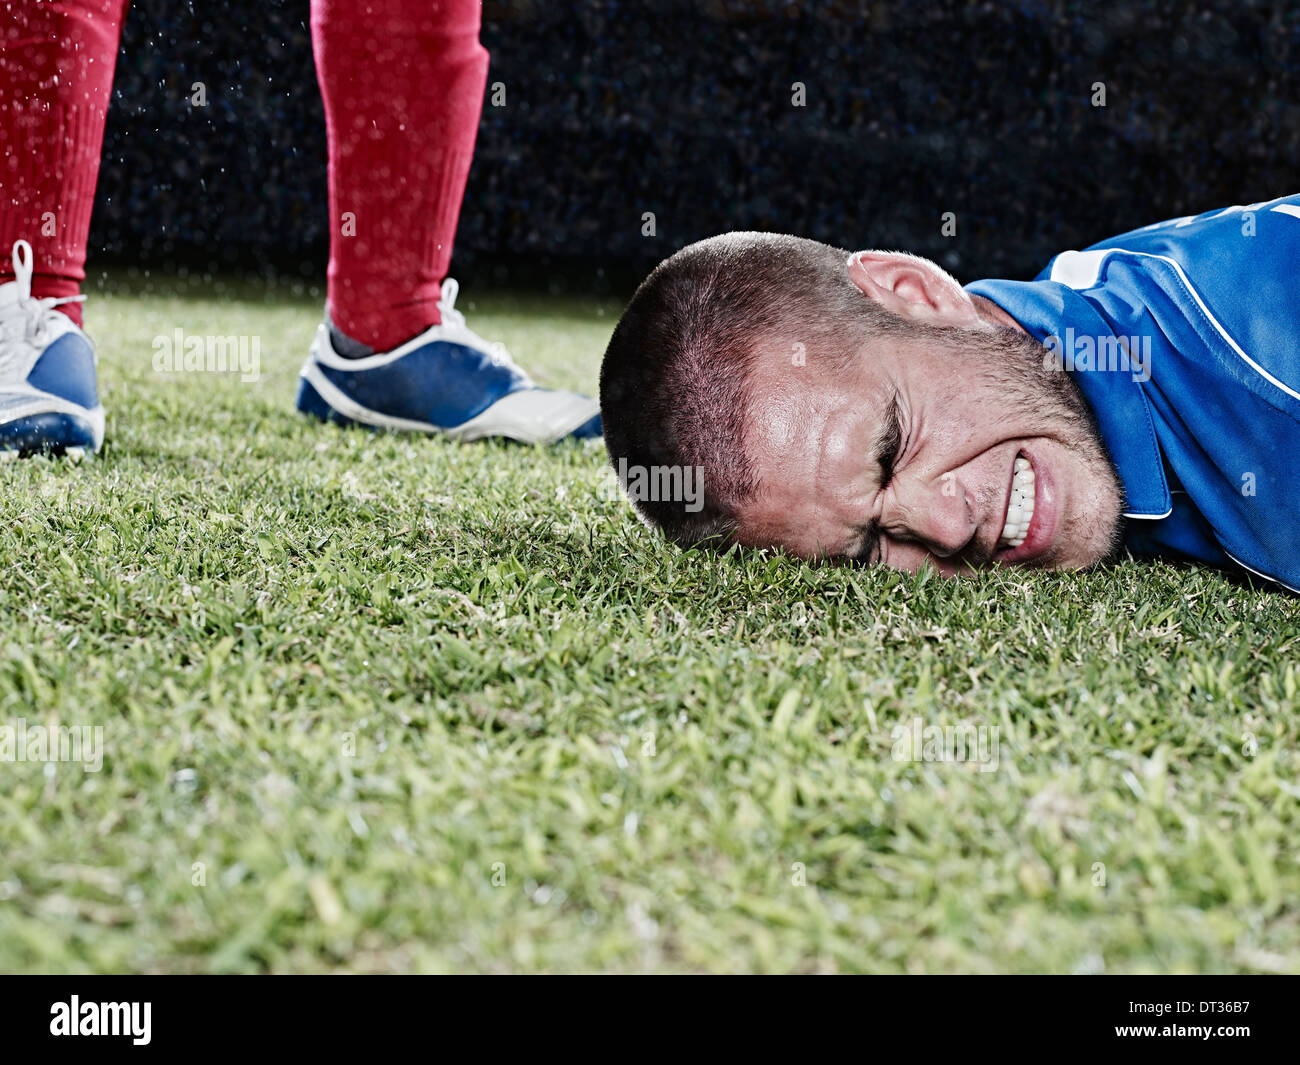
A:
(1123, 413)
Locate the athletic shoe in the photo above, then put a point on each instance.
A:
(447, 380)
(49, 399)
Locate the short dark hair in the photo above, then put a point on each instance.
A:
(674, 384)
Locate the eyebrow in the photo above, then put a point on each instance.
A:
(870, 537)
(889, 436)
(886, 441)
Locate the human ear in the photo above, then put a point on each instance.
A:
(912, 287)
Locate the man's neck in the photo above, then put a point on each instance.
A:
(991, 312)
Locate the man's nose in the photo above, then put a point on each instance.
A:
(937, 513)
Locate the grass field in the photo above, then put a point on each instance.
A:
(373, 703)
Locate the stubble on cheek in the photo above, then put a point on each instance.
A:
(1050, 405)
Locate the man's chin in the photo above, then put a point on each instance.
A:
(1099, 546)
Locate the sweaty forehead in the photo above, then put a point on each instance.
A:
(810, 435)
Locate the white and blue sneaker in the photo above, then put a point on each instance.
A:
(49, 398)
(447, 380)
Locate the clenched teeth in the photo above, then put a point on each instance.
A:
(1020, 512)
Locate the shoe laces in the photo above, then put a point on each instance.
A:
(26, 319)
(495, 350)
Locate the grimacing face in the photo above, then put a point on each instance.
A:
(955, 448)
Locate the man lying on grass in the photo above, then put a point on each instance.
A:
(1143, 394)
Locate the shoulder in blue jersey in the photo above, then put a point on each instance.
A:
(1184, 337)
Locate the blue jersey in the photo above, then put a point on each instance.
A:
(1184, 337)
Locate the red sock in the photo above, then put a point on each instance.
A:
(56, 76)
(403, 85)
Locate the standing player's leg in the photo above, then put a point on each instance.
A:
(403, 83)
(56, 76)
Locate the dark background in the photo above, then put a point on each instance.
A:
(684, 109)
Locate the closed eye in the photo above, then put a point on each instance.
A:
(888, 444)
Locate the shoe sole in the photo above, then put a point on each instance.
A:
(51, 433)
